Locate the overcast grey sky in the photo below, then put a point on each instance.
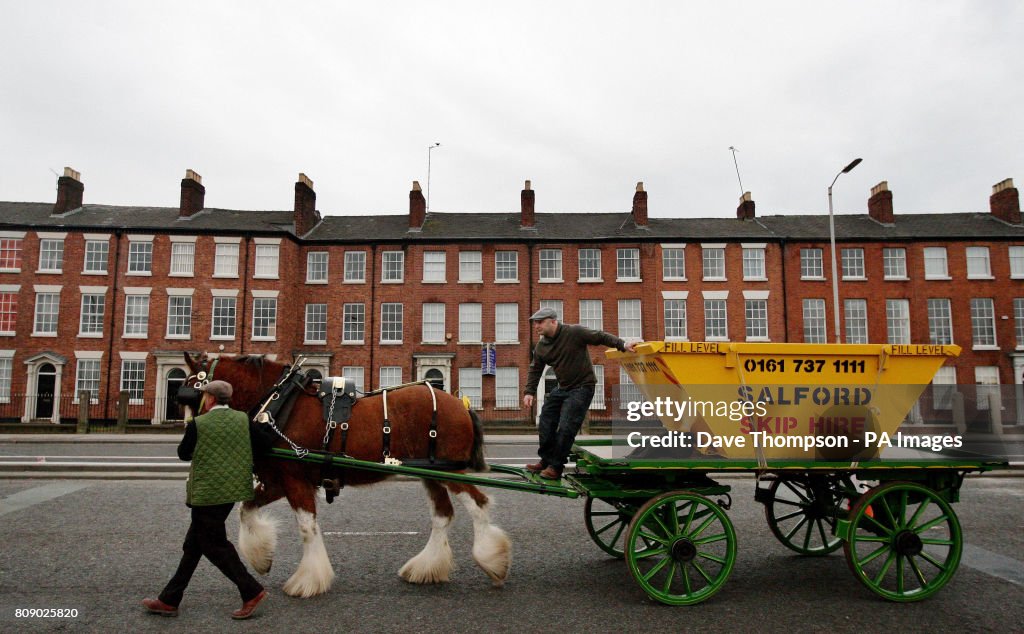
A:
(583, 98)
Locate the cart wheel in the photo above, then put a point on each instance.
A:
(904, 542)
(802, 514)
(607, 522)
(681, 548)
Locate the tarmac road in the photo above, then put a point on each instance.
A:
(101, 546)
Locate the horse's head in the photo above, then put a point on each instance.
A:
(249, 376)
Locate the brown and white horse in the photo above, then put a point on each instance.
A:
(459, 439)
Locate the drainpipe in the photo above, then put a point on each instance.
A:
(245, 297)
(113, 321)
(368, 386)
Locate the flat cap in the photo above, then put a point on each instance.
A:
(218, 389)
(544, 313)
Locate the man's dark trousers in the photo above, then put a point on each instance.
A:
(207, 537)
(560, 420)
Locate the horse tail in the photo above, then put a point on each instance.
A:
(476, 458)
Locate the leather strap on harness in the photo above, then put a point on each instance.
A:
(387, 428)
(432, 443)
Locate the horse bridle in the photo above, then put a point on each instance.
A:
(191, 393)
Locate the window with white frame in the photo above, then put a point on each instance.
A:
(506, 266)
(856, 317)
(940, 321)
(268, 257)
(471, 266)
(716, 324)
(894, 263)
(392, 266)
(897, 320)
(8, 311)
(47, 309)
(433, 322)
(6, 371)
(673, 263)
(264, 318)
(628, 265)
(390, 375)
(316, 267)
(978, 266)
(814, 320)
(755, 312)
(598, 401)
(87, 379)
(133, 379)
(853, 263)
(470, 323)
(225, 261)
(316, 323)
(556, 305)
(353, 323)
(97, 255)
(140, 258)
(943, 388)
(714, 262)
(355, 267)
(753, 263)
(471, 385)
(434, 266)
(179, 316)
(91, 320)
(506, 388)
(1016, 262)
(51, 256)
(628, 391)
(935, 266)
(1018, 320)
(590, 265)
(675, 319)
(983, 321)
(136, 315)
(550, 265)
(391, 317)
(506, 323)
(987, 379)
(811, 267)
(222, 326)
(10, 254)
(592, 314)
(358, 375)
(183, 259)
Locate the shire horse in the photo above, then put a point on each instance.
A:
(459, 439)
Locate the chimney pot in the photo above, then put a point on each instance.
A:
(640, 205)
(305, 180)
(416, 186)
(69, 191)
(193, 194)
(1005, 202)
(417, 207)
(527, 204)
(746, 209)
(880, 204)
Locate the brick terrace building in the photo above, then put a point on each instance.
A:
(102, 299)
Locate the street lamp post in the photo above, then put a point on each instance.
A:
(832, 238)
(430, 148)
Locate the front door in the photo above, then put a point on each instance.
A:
(548, 383)
(46, 382)
(435, 377)
(175, 379)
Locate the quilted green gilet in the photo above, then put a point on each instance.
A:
(221, 469)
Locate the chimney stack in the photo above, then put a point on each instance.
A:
(69, 191)
(305, 214)
(417, 207)
(526, 200)
(640, 205)
(746, 209)
(880, 204)
(193, 194)
(1005, 202)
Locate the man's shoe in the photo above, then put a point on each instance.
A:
(156, 606)
(551, 473)
(249, 606)
(536, 467)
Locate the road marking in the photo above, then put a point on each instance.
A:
(36, 495)
(370, 533)
(994, 564)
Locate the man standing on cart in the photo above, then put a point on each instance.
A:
(564, 348)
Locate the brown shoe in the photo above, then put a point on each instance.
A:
(249, 606)
(551, 473)
(156, 606)
(536, 467)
